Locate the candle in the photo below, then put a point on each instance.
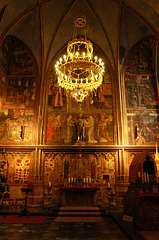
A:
(49, 184)
(147, 177)
(19, 83)
(72, 180)
(84, 180)
(139, 174)
(142, 178)
(90, 180)
(68, 180)
(108, 184)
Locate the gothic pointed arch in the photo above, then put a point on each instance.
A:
(141, 97)
(18, 93)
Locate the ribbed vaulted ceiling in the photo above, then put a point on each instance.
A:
(46, 26)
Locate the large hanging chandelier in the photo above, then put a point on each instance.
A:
(78, 72)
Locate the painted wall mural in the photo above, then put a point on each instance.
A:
(18, 167)
(15, 58)
(141, 94)
(70, 128)
(16, 126)
(147, 125)
(141, 59)
(64, 125)
(19, 92)
(18, 76)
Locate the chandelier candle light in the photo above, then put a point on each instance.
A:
(78, 72)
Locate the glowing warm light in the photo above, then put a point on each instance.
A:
(78, 72)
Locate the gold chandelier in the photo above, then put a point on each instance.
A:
(78, 72)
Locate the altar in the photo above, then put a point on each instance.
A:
(78, 196)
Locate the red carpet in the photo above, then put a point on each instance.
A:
(24, 219)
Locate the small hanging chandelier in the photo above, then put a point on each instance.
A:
(78, 72)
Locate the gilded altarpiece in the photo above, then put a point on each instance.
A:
(18, 76)
(64, 170)
(63, 114)
(141, 94)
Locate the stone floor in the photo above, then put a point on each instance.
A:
(112, 227)
(107, 229)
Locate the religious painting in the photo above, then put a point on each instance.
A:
(18, 79)
(141, 59)
(72, 128)
(147, 123)
(141, 94)
(102, 99)
(16, 58)
(19, 92)
(53, 168)
(57, 100)
(20, 83)
(22, 170)
(78, 170)
(131, 94)
(105, 165)
(18, 167)
(69, 167)
(64, 124)
(16, 126)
